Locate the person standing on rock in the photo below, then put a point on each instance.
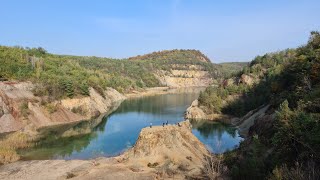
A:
(167, 123)
(150, 125)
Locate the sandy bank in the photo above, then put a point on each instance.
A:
(163, 90)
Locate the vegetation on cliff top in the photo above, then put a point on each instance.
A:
(172, 55)
(62, 76)
(286, 146)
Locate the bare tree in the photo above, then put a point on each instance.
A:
(213, 166)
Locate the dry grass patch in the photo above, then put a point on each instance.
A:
(10, 144)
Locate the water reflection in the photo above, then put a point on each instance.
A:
(119, 131)
(218, 137)
(61, 148)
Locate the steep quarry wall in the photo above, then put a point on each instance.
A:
(95, 104)
(21, 110)
(184, 76)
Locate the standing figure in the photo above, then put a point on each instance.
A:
(150, 125)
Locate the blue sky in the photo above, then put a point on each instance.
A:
(224, 30)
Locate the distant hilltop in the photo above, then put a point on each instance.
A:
(61, 76)
(176, 54)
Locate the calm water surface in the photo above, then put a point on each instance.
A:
(120, 130)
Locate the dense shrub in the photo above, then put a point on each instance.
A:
(290, 83)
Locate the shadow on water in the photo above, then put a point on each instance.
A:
(218, 137)
(61, 148)
(120, 130)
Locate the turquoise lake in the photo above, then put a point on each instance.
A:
(120, 130)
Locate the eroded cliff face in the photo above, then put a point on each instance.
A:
(95, 104)
(184, 76)
(12, 97)
(21, 110)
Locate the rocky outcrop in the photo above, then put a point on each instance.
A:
(159, 153)
(243, 79)
(248, 120)
(12, 98)
(167, 140)
(20, 109)
(196, 113)
(170, 148)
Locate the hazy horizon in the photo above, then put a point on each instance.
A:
(227, 31)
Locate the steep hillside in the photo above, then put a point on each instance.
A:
(276, 104)
(182, 68)
(68, 76)
(231, 68)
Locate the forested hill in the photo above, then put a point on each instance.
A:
(231, 68)
(61, 76)
(283, 142)
(174, 55)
